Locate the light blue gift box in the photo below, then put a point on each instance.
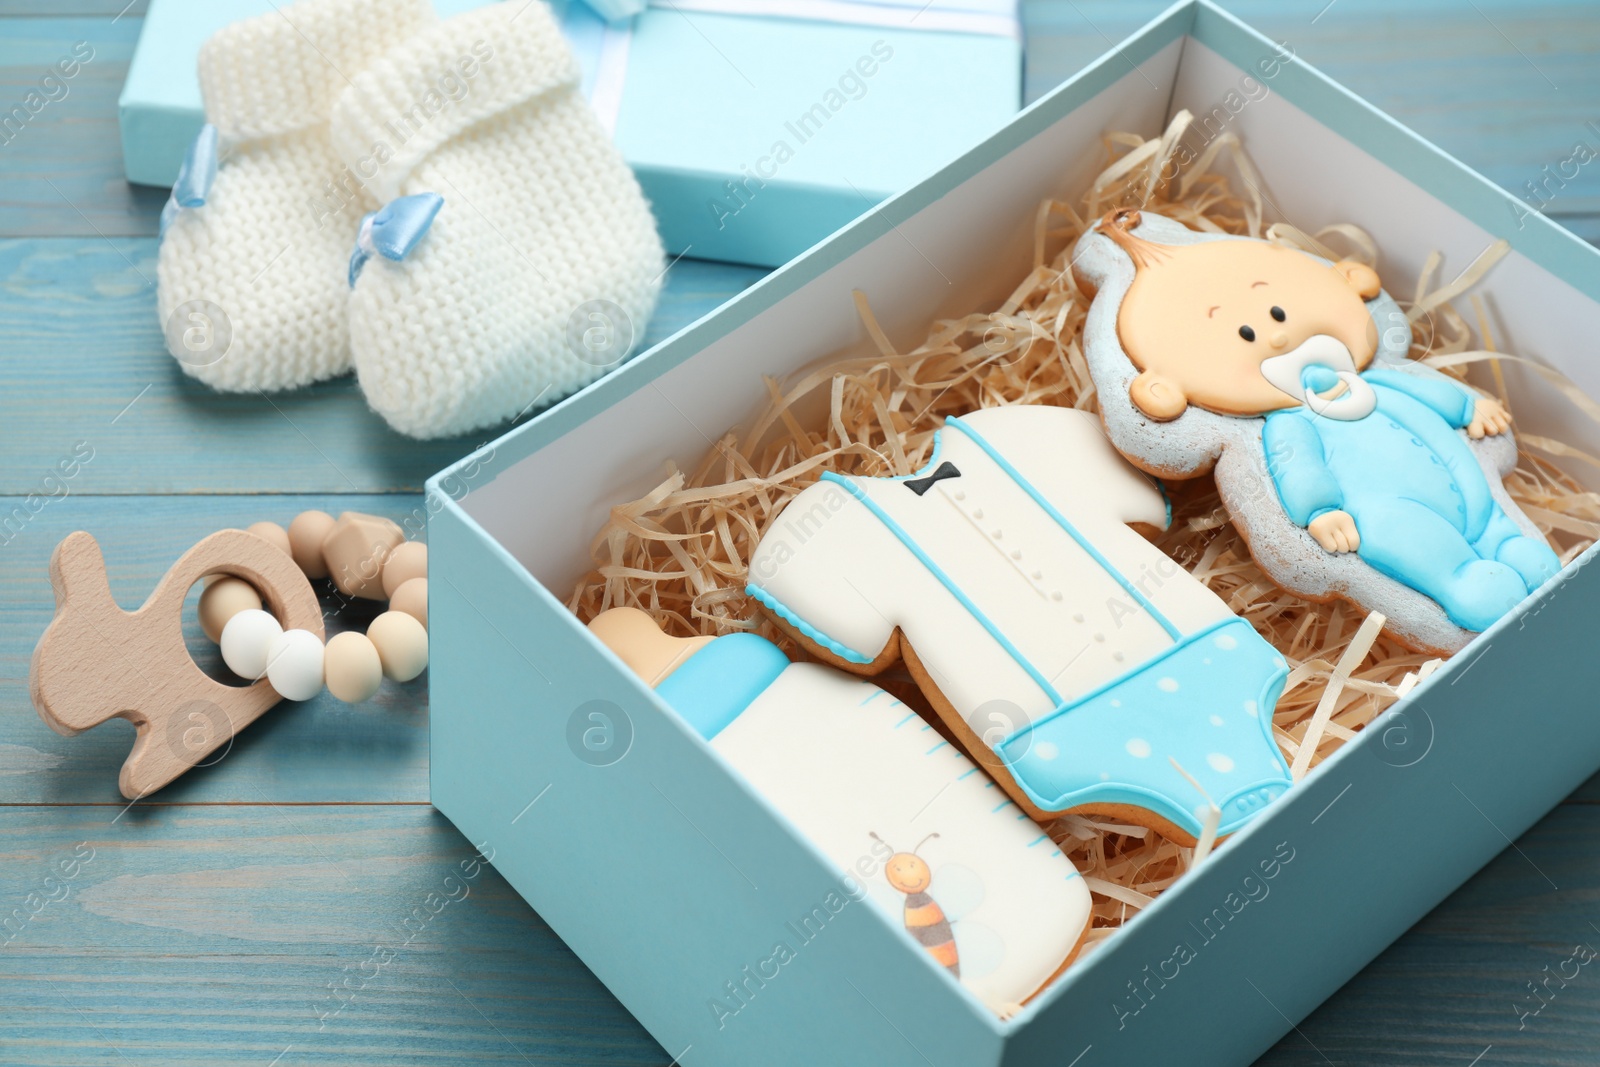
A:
(755, 137)
(756, 127)
(674, 881)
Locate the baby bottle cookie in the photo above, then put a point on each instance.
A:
(909, 819)
(1082, 666)
(1351, 471)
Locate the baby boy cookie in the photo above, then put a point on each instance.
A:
(1351, 471)
(911, 823)
(1079, 663)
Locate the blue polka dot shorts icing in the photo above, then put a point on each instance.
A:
(1206, 705)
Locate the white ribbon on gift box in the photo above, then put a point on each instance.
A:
(989, 18)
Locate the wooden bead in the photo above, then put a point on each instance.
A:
(245, 640)
(352, 667)
(412, 598)
(271, 531)
(222, 600)
(355, 551)
(294, 664)
(306, 533)
(402, 645)
(406, 562)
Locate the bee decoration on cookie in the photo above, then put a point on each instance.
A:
(925, 920)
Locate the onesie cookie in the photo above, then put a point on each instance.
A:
(1351, 471)
(1078, 662)
(909, 821)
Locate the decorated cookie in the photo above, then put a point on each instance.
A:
(909, 821)
(1351, 471)
(1079, 663)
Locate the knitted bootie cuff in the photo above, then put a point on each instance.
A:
(281, 72)
(443, 81)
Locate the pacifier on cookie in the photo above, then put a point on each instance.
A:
(1352, 471)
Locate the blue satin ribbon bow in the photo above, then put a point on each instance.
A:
(394, 229)
(199, 170)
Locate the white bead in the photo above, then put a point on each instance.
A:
(244, 642)
(294, 664)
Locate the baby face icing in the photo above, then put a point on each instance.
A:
(1243, 327)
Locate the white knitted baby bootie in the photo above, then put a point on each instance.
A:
(541, 266)
(252, 286)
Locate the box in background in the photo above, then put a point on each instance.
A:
(755, 137)
(756, 127)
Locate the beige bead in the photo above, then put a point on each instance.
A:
(351, 667)
(355, 551)
(406, 562)
(271, 531)
(306, 534)
(402, 645)
(222, 600)
(412, 598)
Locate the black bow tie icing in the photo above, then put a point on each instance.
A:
(922, 485)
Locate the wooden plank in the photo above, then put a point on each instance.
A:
(1503, 86)
(287, 935)
(1456, 986)
(320, 750)
(252, 912)
(1587, 793)
(64, 8)
(61, 170)
(211, 934)
(1507, 88)
(82, 359)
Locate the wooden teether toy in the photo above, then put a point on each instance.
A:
(96, 662)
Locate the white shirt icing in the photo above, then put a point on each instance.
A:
(1019, 576)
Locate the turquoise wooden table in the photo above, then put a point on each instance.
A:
(288, 905)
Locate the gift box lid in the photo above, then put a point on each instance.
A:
(755, 137)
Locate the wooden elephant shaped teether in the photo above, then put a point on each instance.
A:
(96, 662)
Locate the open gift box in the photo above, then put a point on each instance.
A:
(673, 879)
